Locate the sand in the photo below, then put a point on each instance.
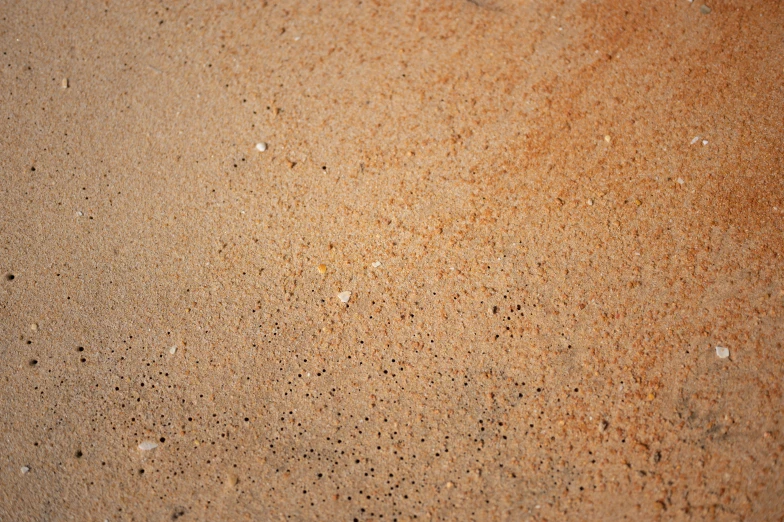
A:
(548, 217)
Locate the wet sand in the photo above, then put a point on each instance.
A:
(552, 218)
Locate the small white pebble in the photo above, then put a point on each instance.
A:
(680, 181)
(64, 83)
(147, 445)
(376, 264)
(173, 350)
(25, 469)
(34, 327)
(261, 146)
(607, 136)
(344, 296)
(590, 202)
(704, 142)
(79, 213)
(695, 140)
(722, 352)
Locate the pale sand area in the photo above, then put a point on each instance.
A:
(573, 204)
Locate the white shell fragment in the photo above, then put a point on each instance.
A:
(376, 264)
(344, 296)
(25, 469)
(147, 445)
(173, 350)
(695, 140)
(261, 146)
(722, 352)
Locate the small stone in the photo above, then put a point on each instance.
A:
(344, 296)
(79, 213)
(449, 485)
(173, 350)
(322, 269)
(376, 264)
(590, 202)
(695, 140)
(25, 469)
(722, 352)
(64, 84)
(704, 142)
(261, 146)
(34, 327)
(607, 138)
(680, 181)
(148, 445)
(232, 480)
(704, 9)
(603, 425)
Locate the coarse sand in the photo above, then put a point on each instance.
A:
(391, 261)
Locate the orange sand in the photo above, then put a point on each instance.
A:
(559, 261)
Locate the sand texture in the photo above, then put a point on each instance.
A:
(391, 261)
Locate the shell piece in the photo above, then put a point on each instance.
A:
(722, 352)
(344, 296)
(148, 445)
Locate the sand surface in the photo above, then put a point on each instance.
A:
(548, 215)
